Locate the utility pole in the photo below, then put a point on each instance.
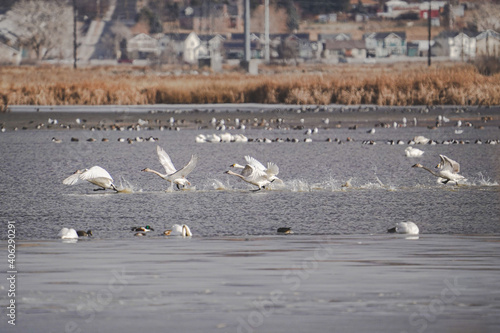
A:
(267, 55)
(75, 44)
(429, 39)
(247, 31)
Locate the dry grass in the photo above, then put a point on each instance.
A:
(400, 84)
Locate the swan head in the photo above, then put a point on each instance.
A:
(237, 166)
(418, 165)
(146, 169)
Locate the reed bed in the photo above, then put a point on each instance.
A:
(396, 85)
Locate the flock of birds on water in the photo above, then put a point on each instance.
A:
(252, 172)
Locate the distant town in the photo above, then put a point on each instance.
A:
(211, 33)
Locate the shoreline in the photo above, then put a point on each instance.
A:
(271, 116)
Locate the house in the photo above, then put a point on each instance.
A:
(187, 47)
(9, 55)
(385, 44)
(339, 36)
(488, 44)
(344, 49)
(455, 45)
(142, 46)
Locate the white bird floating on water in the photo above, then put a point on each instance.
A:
(404, 228)
(173, 175)
(68, 233)
(448, 170)
(178, 230)
(95, 175)
(413, 152)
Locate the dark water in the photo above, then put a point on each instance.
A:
(340, 271)
(385, 189)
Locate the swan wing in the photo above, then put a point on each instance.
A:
(253, 175)
(73, 179)
(94, 173)
(253, 162)
(165, 161)
(450, 164)
(186, 170)
(272, 169)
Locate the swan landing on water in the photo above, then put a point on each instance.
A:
(448, 170)
(173, 175)
(95, 175)
(256, 173)
(409, 228)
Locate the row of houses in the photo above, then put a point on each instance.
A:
(191, 47)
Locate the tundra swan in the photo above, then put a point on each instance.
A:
(173, 175)
(413, 152)
(95, 175)
(252, 175)
(448, 170)
(271, 171)
(178, 230)
(82, 233)
(405, 228)
(67, 233)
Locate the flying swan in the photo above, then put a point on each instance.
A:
(405, 228)
(271, 171)
(252, 175)
(95, 175)
(448, 170)
(173, 175)
(178, 230)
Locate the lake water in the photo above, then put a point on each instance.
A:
(339, 271)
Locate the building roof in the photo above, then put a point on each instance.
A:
(344, 44)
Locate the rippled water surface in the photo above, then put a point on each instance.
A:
(339, 271)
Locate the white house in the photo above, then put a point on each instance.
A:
(142, 45)
(488, 43)
(456, 45)
(384, 44)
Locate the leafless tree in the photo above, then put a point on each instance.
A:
(487, 16)
(44, 26)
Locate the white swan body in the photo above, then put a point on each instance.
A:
(179, 230)
(95, 175)
(448, 170)
(413, 152)
(409, 228)
(173, 175)
(67, 233)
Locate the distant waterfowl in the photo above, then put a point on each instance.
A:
(67, 233)
(421, 140)
(413, 152)
(178, 230)
(173, 175)
(448, 170)
(404, 228)
(95, 175)
(55, 140)
(143, 229)
(285, 230)
(82, 233)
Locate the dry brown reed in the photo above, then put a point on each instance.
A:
(397, 85)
